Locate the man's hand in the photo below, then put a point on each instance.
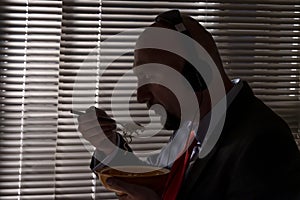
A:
(132, 191)
(99, 129)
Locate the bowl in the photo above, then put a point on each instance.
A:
(147, 176)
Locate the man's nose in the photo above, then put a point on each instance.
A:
(143, 94)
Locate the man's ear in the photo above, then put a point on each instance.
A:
(194, 77)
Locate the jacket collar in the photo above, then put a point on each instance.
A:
(239, 102)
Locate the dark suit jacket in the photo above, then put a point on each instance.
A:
(255, 158)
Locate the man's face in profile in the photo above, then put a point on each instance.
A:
(156, 94)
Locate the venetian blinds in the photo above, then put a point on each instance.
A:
(45, 73)
(30, 41)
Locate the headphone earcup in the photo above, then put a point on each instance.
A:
(194, 78)
(174, 19)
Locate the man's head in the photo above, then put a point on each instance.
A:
(157, 94)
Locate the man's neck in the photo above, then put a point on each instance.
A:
(205, 100)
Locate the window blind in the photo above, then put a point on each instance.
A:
(80, 35)
(30, 40)
(45, 74)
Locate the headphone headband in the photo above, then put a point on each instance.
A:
(173, 18)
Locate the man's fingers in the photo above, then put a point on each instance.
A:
(105, 126)
(95, 131)
(91, 119)
(98, 132)
(98, 128)
(93, 113)
(87, 116)
(102, 143)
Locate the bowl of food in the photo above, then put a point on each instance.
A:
(147, 176)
